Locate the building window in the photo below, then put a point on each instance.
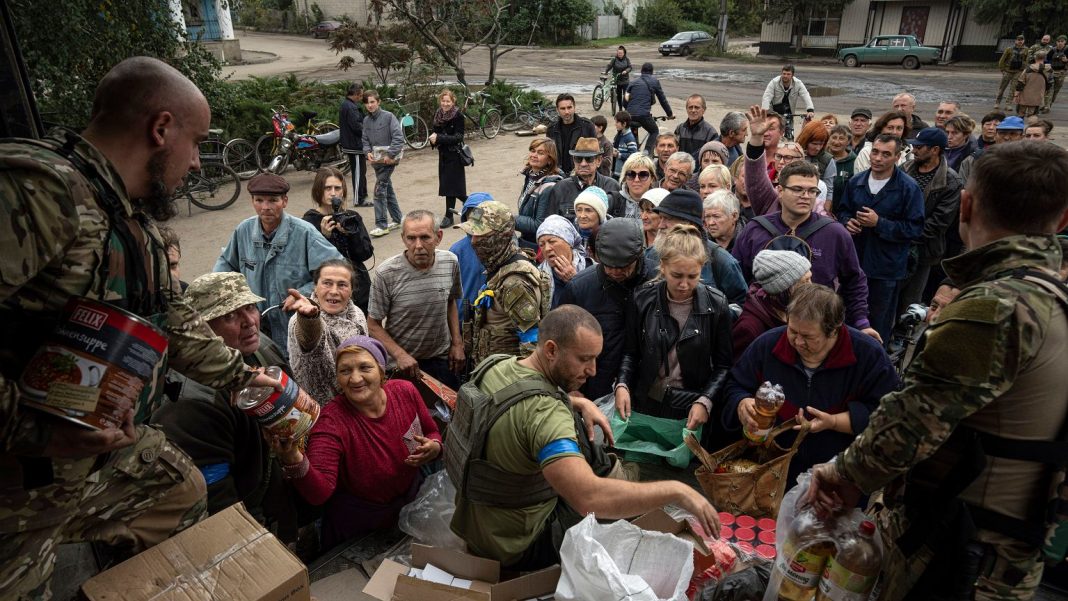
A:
(823, 24)
(193, 11)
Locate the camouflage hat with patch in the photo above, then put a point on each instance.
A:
(216, 294)
(488, 217)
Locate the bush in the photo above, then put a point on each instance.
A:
(697, 26)
(659, 18)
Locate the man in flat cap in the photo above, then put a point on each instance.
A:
(275, 252)
(223, 441)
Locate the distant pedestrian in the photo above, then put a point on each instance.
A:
(1011, 64)
(1032, 86)
(448, 138)
(351, 118)
(641, 94)
(383, 137)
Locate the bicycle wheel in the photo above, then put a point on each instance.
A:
(512, 121)
(214, 187)
(323, 128)
(416, 133)
(612, 98)
(598, 97)
(266, 148)
(240, 155)
(491, 123)
(526, 120)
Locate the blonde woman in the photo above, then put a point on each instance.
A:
(637, 177)
(448, 137)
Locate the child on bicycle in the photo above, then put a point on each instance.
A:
(625, 144)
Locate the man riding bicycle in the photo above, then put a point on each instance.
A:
(641, 94)
(620, 68)
(784, 95)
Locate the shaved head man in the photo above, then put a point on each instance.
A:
(149, 120)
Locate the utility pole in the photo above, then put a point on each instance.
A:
(721, 34)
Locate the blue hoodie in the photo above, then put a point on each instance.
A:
(472, 272)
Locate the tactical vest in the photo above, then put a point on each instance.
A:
(1016, 63)
(478, 480)
(488, 339)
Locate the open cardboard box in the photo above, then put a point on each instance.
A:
(390, 582)
(658, 520)
(227, 557)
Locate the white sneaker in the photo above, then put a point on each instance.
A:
(378, 232)
(392, 226)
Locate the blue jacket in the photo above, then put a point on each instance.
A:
(853, 378)
(644, 91)
(884, 250)
(272, 268)
(472, 272)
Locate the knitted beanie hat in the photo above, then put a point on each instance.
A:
(596, 199)
(777, 270)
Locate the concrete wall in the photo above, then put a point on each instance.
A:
(332, 9)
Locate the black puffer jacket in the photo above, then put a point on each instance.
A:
(703, 346)
(607, 300)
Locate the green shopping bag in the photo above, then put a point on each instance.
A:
(649, 439)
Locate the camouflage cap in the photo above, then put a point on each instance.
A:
(488, 217)
(216, 294)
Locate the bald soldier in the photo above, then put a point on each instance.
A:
(77, 213)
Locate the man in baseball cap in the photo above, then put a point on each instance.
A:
(1010, 130)
(859, 122)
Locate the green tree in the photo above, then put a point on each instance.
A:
(380, 46)
(1039, 16)
(553, 21)
(797, 12)
(70, 46)
(659, 18)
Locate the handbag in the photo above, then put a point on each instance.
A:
(466, 157)
(759, 492)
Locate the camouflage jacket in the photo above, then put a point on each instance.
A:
(508, 321)
(56, 234)
(989, 363)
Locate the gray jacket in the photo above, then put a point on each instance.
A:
(381, 128)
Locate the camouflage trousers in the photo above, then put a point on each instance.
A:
(142, 495)
(1058, 83)
(901, 573)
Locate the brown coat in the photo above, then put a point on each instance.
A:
(1032, 85)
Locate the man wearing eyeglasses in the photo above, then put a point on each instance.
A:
(882, 207)
(828, 247)
(677, 171)
(759, 182)
(587, 158)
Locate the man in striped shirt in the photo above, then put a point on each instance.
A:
(413, 310)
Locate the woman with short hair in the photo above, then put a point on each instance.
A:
(347, 232)
(721, 217)
(540, 173)
(961, 145)
(637, 177)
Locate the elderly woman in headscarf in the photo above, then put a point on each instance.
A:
(562, 254)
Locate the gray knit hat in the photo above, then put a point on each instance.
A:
(777, 270)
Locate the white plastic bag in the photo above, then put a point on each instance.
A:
(426, 519)
(622, 562)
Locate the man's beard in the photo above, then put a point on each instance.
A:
(159, 203)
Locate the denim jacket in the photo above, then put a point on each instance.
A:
(273, 267)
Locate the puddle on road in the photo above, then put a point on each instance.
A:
(824, 91)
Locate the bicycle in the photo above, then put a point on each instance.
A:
(542, 114)
(239, 154)
(602, 89)
(638, 130)
(517, 118)
(214, 186)
(489, 118)
(416, 132)
(788, 118)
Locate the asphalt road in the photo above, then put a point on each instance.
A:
(726, 85)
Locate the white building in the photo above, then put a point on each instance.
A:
(209, 23)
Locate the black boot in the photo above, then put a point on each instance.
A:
(446, 221)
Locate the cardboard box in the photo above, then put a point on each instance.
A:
(391, 582)
(227, 557)
(659, 521)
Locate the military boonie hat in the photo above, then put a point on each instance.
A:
(216, 294)
(487, 218)
(268, 184)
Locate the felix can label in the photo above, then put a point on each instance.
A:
(288, 413)
(95, 363)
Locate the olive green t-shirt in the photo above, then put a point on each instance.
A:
(532, 434)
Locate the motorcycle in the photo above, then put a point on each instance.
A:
(307, 152)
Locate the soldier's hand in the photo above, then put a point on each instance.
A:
(300, 303)
(592, 416)
(829, 493)
(694, 502)
(260, 380)
(76, 442)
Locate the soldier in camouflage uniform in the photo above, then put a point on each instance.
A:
(986, 376)
(76, 222)
(516, 296)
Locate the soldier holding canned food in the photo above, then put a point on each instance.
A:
(77, 222)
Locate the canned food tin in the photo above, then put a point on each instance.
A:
(97, 362)
(287, 413)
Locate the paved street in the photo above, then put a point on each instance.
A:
(727, 85)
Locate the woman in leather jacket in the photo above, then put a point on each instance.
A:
(678, 346)
(539, 174)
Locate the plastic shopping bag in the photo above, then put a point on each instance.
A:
(646, 438)
(426, 519)
(620, 561)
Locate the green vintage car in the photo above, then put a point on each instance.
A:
(905, 50)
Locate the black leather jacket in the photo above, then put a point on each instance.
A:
(703, 346)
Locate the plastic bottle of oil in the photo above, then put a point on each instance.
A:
(851, 573)
(804, 555)
(769, 398)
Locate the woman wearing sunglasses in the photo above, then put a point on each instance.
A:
(636, 178)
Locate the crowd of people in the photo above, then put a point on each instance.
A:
(670, 281)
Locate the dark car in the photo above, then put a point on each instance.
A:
(324, 28)
(685, 42)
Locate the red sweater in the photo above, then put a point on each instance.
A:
(361, 455)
